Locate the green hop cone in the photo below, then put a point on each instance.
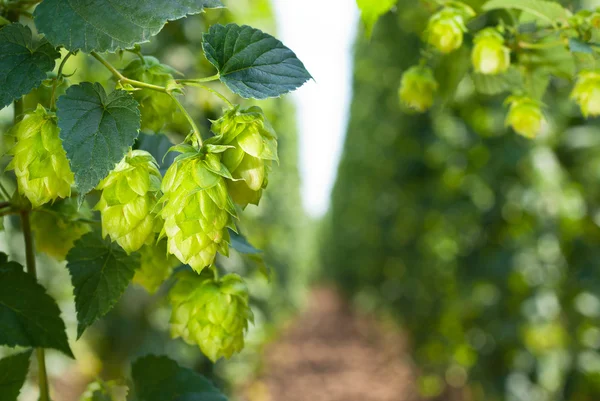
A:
(155, 267)
(446, 28)
(39, 160)
(587, 93)
(196, 209)
(157, 108)
(129, 199)
(253, 146)
(213, 314)
(417, 89)
(525, 116)
(490, 55)
(56, 227)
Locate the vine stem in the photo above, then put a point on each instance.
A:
(58, 76)
(31, 269)
(193, 82)
(199, 80)
(189, 118)
(124, 79)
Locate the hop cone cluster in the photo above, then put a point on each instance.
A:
(252, 145)
(39, 160)
(525, 116)
(196, 209)
(210, 313)
(128, 201)
(417, 89)
(446, 28)
(587, 93)
(56, 227)
(156, 266)
(490, 55)
(157, 108)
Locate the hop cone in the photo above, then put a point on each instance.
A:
(254, 146)
(56, 227)
(128, 201)
(155, 267)
(197, 210)
(587, 93)
(157, 108)
(210, 313)
(417, 89)
(525, 116)
(490, 55)
(39, 160)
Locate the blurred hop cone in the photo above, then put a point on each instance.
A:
(418, 88)
(129, 199)
(211, 313)
(490, 56)
(253, 145)
(525, 116)
(196, 209)
(39, 160)
(56, 227)
(155, 267)
(446, 28)
(587, 93)
(157, 108)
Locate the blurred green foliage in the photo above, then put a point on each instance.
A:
(485, 246)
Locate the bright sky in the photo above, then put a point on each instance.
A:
(321, 33)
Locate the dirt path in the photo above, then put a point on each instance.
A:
(333, 354)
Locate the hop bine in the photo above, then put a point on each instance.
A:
(211, 313)
(417, 89)
(39, 160)
(252, 146)
(157, 108)
(197, 209)
(129, 199)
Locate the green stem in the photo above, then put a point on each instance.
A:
(211, 90)
(18, 116)
(543, 45)
(58, 77)
(124, 79)
(31, 269)
(4, 191)
(199, 80)
(189, 118)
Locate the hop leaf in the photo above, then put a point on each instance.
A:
(39, 160)
(417, 88)
(61, 220)
(525, 116)
(252, 146)
(156, 266)
(587, 93)
(197, 209)
(157, 108)
(446, 28)
(213, 314)
(128, 201)
(490, 55)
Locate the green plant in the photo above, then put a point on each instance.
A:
(82, 144)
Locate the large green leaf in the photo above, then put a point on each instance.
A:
(97, 130)
(13, 372)
(108, 25)
(100, 271)
(158, 378)
(28, 316)
(372, 10)
(24, 62)
(251, 63)
(537, 10)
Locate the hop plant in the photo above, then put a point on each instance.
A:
(446, 28)
(417, 88)
(196, 208)
(525, 116)
(39, 160)
(56, 227)
(211, 313)
(490, 55)
(252, 145)
(157, 108)
(587, 93)
(156, 266)
(128, 201)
